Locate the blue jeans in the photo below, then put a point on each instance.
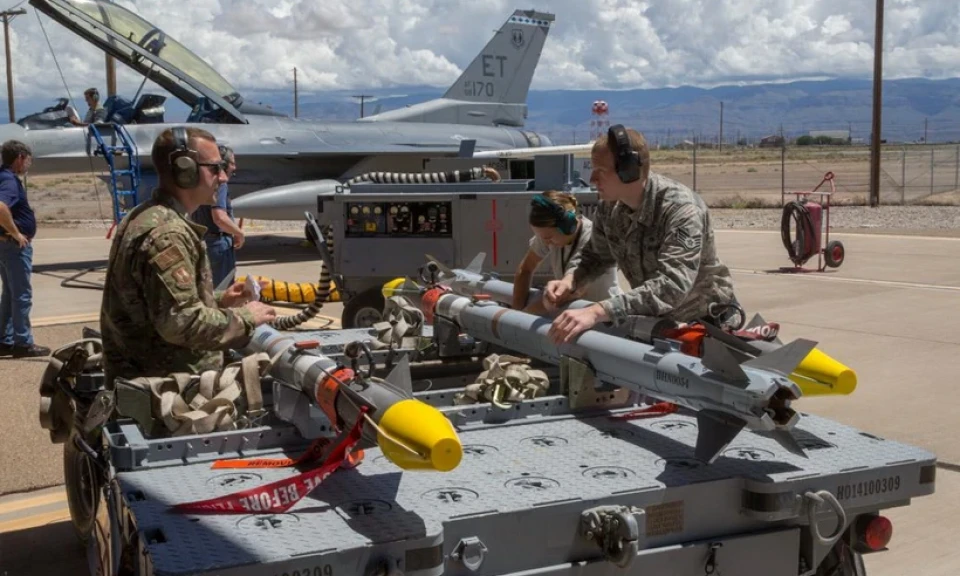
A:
(16, 265)
(223, 260)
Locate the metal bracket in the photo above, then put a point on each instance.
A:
(579, 384)
(471, 552)
(616, 529)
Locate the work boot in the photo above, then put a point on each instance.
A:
(6, 350)
(31, 351)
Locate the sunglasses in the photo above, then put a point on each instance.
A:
(217, 167)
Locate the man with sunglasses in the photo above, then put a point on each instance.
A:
(223, 236)
(160, 313)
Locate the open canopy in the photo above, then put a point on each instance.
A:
(145, 48)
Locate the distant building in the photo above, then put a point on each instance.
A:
(772, 141)
(834, 134)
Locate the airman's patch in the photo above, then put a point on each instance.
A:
(183, 278)
(168, 258)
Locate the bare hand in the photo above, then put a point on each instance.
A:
(572, 323)
(491, 173)
(21, 240)
(262, 313)
(238, 240)
(238, 294)
(556, 291)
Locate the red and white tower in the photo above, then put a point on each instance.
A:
(600, 122)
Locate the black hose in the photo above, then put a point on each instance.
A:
(418, 178)
(802, 248)
(322, 295)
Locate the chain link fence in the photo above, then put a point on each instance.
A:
(754, 177)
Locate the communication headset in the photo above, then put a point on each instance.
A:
(183, 161)
(625, 158)
(566, 219)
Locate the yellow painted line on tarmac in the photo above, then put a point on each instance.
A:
(67, 319)
(35, 521)
(32, 502)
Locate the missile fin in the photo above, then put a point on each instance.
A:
(715, 432)
(717, 358)
(758, 320)
(783, 360)
(400, 378)
(476, 265)
(730, 340)
(443, 267)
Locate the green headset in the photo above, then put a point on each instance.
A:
(183, 161)
(566, 220)
(625, 159)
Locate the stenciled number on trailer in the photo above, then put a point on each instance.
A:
(868, 488)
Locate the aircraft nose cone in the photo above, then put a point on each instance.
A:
(287, 202)
(13, 131)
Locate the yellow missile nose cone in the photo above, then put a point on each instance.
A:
(416, 436)
(391, 287)
(820, 375)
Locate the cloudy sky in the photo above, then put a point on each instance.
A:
(356, 44)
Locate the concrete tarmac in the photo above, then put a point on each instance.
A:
(888, 312)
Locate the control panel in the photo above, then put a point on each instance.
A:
(398, 219)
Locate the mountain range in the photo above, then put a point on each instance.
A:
(914, 109)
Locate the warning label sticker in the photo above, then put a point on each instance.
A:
(666, 518)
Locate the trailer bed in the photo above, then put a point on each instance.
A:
(514, 504)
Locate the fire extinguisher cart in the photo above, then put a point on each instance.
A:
(805, 229)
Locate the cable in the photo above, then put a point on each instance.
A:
(66, 88)
(801, 249)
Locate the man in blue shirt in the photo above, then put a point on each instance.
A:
(223, 235)
(18, 226)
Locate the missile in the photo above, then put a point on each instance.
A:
(818, 374)
(410, 433)
(727, 395)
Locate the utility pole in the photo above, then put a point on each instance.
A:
(111, 76)
(877, 104)
(7, 16)
(362, 97)
(721, 126)
(296, 98)
(925, 141)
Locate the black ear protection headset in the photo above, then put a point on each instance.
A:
(566, 219)
(625, 159)
(183, 161)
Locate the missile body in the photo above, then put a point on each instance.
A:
(412, 434)
(818, 374)
(726, 394)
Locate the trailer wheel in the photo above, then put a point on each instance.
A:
(363, 310)
(83, 485)
(834, 254)
(842, 560)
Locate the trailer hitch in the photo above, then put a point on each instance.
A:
(616, 529)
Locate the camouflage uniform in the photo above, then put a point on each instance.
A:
(159, 312)
(666, 250)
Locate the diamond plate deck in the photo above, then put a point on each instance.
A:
(521, 487)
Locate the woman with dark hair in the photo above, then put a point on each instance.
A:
(559, 235)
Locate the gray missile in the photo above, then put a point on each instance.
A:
(727, 395)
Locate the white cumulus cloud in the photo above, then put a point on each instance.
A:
(357, 44)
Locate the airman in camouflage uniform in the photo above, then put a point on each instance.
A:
(658, 232)
(159, 313)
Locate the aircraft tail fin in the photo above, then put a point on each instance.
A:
(493, 88)
(502, 72)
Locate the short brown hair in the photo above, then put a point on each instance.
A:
(166, 144)
(13, 149)
(546, 217)
(637, 143)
